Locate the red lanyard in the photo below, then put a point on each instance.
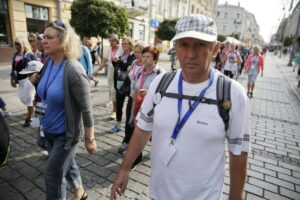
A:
(143, 79)
(137, 71)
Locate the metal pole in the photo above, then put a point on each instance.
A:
(59, 10)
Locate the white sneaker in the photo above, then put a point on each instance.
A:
(108, 104)
(45, 153)
(113, 115)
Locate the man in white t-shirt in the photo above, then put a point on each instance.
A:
(112, 55)
(188, 138)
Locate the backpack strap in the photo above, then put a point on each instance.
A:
(165, 82)
(223, 97)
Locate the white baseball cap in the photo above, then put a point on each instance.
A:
(32, 67)
(196, 26)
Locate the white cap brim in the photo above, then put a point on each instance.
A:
(27, 72)
(196, 35)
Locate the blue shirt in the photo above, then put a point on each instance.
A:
(297, 58)
(54, 120)
(86, 61)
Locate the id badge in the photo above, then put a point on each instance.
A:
(40, 109)
(167, 152)
(35, 122)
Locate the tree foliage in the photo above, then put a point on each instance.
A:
(92, 18)
(288, 40)
(235, 35)
(221, 38)
(166, 29)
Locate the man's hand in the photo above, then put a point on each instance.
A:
(120, 184)
(91, 146)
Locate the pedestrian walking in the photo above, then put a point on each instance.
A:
(232, 60)
(40, 48)
(297, 66)
(136, 67)
(63, 103)
(113, 54)
(93, 53)
(122, 83)
(188, 137)
(4, 111)
(20, 60)
(254, 64)
(32, 38)
(86, 61)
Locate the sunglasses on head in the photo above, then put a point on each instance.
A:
(59, 23)
(31, 41)
(17, 43)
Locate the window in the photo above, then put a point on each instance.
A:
(238, 15)
(159, 6)
(130, 30)
(36, 18)
(218, 14)
(5, 34)
(192, 8)
(141, 32)
(225, 15)
(224, 28)
(198, 10)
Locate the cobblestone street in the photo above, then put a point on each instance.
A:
(274, 163)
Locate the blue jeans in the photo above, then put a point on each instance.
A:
(61, 167)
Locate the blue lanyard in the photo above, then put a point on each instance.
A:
(46, 85)
(181, 122)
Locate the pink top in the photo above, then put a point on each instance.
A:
(260, 63)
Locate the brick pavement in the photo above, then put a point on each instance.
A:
(274, 163)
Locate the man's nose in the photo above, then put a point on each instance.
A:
(191, 53)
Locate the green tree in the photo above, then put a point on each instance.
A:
(166, 29)
(93, 18)
(288, 40)
(298, 40)
(221, 38)
(235, 35)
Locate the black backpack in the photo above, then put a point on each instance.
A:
(223, 95)
(4, 141)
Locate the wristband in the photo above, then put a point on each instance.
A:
(89, 139)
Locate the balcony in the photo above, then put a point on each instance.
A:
(136, 8)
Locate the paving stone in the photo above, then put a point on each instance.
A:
(265, 185)
(278, 169)
(266, 160)
(263, 170)
(289, 193)
(280, 182)
(256, 174)
(274, 196)
(288, 178)
(250, 196)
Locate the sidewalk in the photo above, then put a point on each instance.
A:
(274, 163)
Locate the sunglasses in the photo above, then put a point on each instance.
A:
(60, 24)
(17, 43)
(31, 41)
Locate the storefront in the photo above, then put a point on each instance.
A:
(36, 18)
(5, 31)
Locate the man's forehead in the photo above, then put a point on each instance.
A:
(191, 40)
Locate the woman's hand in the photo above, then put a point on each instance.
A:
(91, 146)
(13, 82)
(143, 92)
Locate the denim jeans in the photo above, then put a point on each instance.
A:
(61, 167)
(2, 103)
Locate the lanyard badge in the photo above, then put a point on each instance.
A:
(181, 122)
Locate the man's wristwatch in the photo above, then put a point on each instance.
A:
(91, 139)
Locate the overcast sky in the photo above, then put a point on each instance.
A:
(268, 13)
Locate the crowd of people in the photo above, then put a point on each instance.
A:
(53, 70)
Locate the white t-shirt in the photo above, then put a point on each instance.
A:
(231, 57)
(110, 54)
(196, 171)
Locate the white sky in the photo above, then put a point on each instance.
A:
(268, 13)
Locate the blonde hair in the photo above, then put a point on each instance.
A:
(23, 41)
(68, 37)
(130, 41)
(88, 42)
(114, 37)
(139, 45)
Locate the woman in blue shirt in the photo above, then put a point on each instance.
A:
(63, 103)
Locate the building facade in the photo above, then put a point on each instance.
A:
(233, 19)
(22, 17)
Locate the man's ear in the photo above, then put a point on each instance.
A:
(216, 48)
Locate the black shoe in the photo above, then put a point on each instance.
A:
(251, 95)
(27, 122)
(136, 162)
(96, 83)
(84, 196)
